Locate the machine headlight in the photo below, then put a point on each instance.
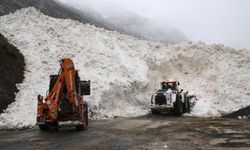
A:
(173, 97)
(168, 96)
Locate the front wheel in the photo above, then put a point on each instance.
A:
(84, 124)
(178, 107)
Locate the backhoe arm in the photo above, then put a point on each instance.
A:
(66, 77)
(64, 102)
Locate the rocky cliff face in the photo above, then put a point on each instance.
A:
(48, 7)
(12, 72)
(128, 23)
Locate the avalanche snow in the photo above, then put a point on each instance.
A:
(124, 70)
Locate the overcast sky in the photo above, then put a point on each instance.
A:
(212, 21)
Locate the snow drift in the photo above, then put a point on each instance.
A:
(124, 70)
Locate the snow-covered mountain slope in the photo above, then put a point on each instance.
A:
(124, 70)
(126, 21)
(48, 7)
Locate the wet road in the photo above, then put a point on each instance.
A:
(148, 132)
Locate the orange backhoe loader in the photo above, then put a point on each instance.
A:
(64, 101)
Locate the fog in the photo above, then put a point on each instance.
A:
(211, 21)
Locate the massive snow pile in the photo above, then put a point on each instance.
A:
(124, 70)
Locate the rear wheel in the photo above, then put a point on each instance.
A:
(185, 105)
(155, 112)
(188, 105)
(84, 124)
(87, 114)
(178, 107)
(44, 127)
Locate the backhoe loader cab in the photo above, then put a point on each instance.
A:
(64, 101)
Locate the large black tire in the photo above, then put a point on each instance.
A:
(155, 112)
(84, 119)
(87, 112)
(54, 126)
(44, 127)
(178, 107)
(185, 105)
(188, 105)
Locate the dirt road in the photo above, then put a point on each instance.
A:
(147, 132)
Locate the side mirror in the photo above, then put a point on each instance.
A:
(85, 87)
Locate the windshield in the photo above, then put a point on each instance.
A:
(168, 85)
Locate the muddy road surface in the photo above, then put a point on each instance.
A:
(145, 133)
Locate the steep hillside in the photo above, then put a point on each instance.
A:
(48, 7)
(124, 70)
(130, 23)
(127, 22)
(11, 72)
